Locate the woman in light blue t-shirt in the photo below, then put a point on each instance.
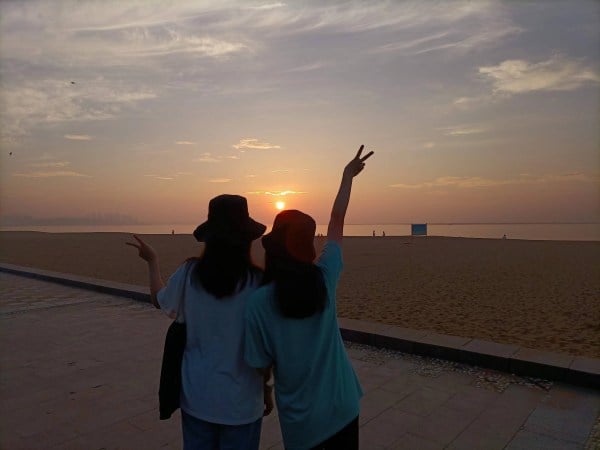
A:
(222, 398)
(291, 327)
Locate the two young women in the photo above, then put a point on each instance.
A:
(285, 322)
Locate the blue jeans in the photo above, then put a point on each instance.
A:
(201, 435)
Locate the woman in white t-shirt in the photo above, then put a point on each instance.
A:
(222, 399)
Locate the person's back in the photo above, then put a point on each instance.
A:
(292, 326)
(221, 398)
(316, 388)
(217, 385)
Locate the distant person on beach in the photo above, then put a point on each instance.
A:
(383, 234)
(292, 327)
(222, 400)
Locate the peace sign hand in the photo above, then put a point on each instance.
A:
(357, 164)
(146, 252)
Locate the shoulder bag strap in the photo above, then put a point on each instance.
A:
(181, 306)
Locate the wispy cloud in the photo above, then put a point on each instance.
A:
(78, 137)
(267, 6)
(162, 42)
(51, 164)
(206, 158)
(516, 76)
(185, 143)
(219, 180)
(461, 130)
(168, 177)
(50, 174)
(31, 103)
(254, 144)
(469, 28)
(480, 182)
(159, 177)
(307, 67)
(466, 102)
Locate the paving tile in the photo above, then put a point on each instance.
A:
(411, 442)
(423, 401)
(403, 386)
(443, 425)
(527, 440)
(471, 399)
(387, 429)
(376, 402)
(83, 371)
(495, 426)
(566, 414)
(373, 376)
(449, 381)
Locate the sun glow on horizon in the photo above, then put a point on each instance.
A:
(279, 205)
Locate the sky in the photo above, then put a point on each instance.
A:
(478, 111)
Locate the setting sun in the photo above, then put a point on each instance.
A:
(279, 205)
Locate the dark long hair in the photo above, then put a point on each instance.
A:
(300, 289)
(224, 268)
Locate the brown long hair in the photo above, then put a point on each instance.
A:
(224, 268)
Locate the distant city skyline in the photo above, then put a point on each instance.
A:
(478, 111)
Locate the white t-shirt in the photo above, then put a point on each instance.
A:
(217, 385)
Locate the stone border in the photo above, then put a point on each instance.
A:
(106, 287)
(577, 370)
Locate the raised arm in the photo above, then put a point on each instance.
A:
(335, 230)
(148, 254)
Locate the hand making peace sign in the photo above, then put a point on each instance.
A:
(357, 164)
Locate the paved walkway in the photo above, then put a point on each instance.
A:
(79, 370)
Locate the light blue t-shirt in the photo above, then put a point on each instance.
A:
(316, 389)
(217, 384)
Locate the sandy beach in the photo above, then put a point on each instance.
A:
(537, 294)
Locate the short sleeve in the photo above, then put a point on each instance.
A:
(331, 263)
(171, 294)
(257, 350)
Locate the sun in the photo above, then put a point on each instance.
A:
(280, 205)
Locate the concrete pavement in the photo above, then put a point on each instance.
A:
(79, 370)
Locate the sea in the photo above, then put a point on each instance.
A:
(528, 231)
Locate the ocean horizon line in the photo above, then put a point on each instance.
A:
(580, 231)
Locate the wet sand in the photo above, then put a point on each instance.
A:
(538, 294)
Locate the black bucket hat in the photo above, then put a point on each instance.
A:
(228, 219)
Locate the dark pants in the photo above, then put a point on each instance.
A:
(201, 435)
(345, 439)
